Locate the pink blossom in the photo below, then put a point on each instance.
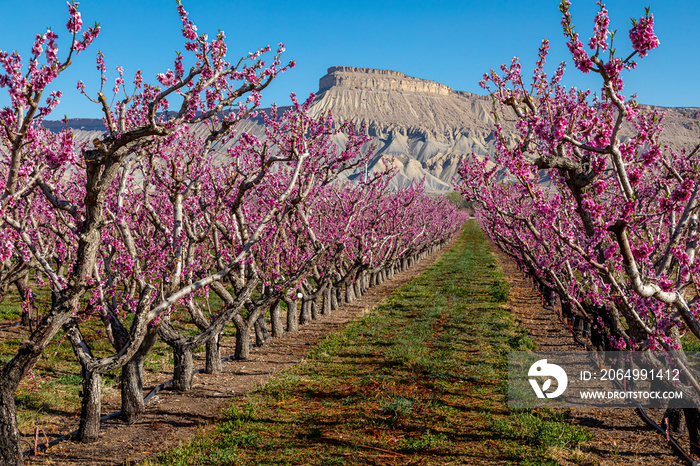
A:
(75, 23)
(600, 32)
(642, 35)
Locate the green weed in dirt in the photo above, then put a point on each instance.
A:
(420, 380)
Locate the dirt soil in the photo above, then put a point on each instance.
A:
(170, 418)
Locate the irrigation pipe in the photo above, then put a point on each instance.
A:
(17, 324)
(643, 414)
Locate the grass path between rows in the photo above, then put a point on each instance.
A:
(422, 379)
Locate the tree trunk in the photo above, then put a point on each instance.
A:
(21, 285)
(183, 367)
(261, 333)
(349, 295)
(132, 379)
(212, 364)
(276, 320)
(10, 440)
(242, 351)
(305, 314)
(334, 298)
(674, 417)
(358, 287)
(132, 391)
(326, 311)
(692, 422)
(313, 305)
(292, 319)
(91, 407)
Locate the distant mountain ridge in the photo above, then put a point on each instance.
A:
(84, 124)
(421, 127)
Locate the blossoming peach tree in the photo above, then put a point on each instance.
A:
(39, 189)
(587, 200)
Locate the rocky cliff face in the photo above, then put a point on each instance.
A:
(379, 81)
(422, 128)
(391, 101)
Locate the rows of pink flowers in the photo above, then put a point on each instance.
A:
(137, 229)
(587, 200)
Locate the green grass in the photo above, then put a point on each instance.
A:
(51, 392)
(11, 307)
(422, 379)
(691, 342)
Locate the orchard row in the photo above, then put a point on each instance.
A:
(587, 200)
(142, 229)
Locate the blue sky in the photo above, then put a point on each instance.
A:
(452, 42)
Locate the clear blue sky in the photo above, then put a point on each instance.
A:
(452, 42)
